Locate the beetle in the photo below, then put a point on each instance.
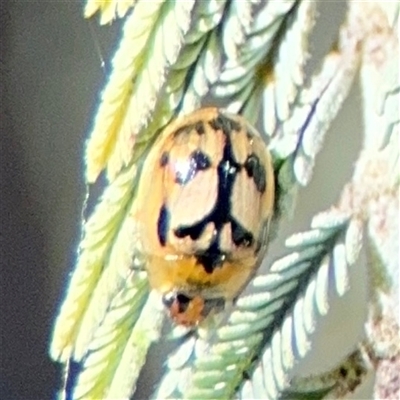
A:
(205, 200)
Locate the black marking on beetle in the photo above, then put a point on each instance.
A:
(220, 215)
(227, 170)
(227, 125)
(162, 225)
(199, 127)
(240, 236)
(198, 161)
(256, 171)
(164, 159)
(194, 231)
(211, 259)
(181, 299)
(183, 302)
(201, 160)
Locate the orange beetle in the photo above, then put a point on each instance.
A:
(205, 199)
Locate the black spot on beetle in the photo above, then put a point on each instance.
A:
(240, 236)
(164, 159)
(225, 124)
(198, 161)
(199, 127)
(216, 124)
(181, 299)
(162, 225)
(227, 169)
(193, 231)
(210, 259)
(183, 302)
(256, 171)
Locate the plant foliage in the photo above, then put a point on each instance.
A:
(249, 56)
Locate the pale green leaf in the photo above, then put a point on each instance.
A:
(138, 30)
(102, 356)
(278, 318)
(287, 75)
(98, 235)
(190, 77)
(295, 328)
(302, 340)
(287, 353)
(138, 72)
(266, 59)
(310, 237)
(238, 26)
(341, 271)
(108, 9)
(124, 256)
(167, 62)
(322, 286)
(146, 331)
(316, 108)
(162, 50)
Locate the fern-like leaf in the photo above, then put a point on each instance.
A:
(262, 59)
(109, 248)
(190, 77)
(108, 320)
(277, 319)
(122, 258)
(296, 142)
(99, 364)
(124, 109)
(94, 250)
(108, 9)
(237, 28)
(161, 51)
(328, 91)
(146, 331)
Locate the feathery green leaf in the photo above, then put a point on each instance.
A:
(102, 358)
(94, 250)
(277, 320)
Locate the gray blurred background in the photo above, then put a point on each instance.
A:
(51, 74)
